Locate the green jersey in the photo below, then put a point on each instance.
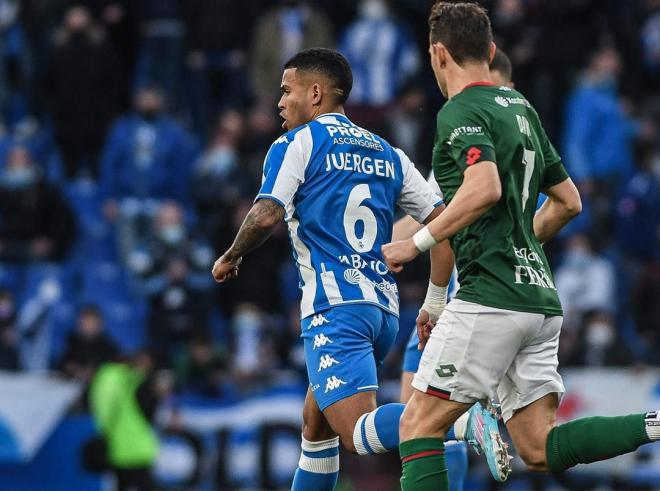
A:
(499, 260)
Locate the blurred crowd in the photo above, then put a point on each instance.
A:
(132, 135)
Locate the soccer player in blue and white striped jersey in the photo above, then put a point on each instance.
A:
(337, 185)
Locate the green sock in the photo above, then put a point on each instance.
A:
(591, 439)
(424, 467)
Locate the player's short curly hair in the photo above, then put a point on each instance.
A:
(463, 28)
(328, 62)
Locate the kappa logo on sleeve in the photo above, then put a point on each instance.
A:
(473, 156)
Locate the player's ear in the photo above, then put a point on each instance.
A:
(441, 54)
(317, 94)
(491, 52)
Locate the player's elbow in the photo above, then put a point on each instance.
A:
(267, 222)
(573, 207)
(491, 194)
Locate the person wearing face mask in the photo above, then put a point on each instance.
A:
(384, 56)
(291, 26)
(599, 135)
(144, 162)
(172, 270)
(220, 178)
(83, 90)
(584, 281)
(36, 223)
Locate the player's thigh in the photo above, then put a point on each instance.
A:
(533, 373)
(469, 351)
(429, 416)
(529, 428)
(315, 426)
(339, 352)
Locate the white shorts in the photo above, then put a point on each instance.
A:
(477, 352)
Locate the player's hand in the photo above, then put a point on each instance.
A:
(398, 253)
(224, 270)
(424, 327)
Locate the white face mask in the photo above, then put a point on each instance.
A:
(600, 334)
(220, 161)
(373, 9)
(172, 234)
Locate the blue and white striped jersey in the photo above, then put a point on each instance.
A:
(339, 185)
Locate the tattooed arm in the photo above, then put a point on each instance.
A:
(264, 215)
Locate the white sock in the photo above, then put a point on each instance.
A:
(652, 421)
(460, 426)
(314, 456)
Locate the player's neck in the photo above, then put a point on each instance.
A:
(468, 75)
(330, 109)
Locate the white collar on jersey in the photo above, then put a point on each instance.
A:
(330, 114)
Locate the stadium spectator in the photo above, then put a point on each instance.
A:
(290, 27)
(517, 37)
(122, 403)
(82, 89)
(16, 68)
(258, 283)
(145, 161)
(585, 282)
(88, 346)
(638, 210)
(650, 38)
(597, 344)
(8, 334)
(219, 177)
(409, 124)
(253, 353)
(217, 38)
(384, 56)
(174, 273)
(161, 42)
(202, 368)
(646, 310)
(598, 135)
(36, 222)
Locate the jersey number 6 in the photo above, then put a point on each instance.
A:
(355, 212)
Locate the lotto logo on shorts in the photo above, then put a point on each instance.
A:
(446, 370)
(326, 361)
(332, 383)
(319, 320)
(321, 340)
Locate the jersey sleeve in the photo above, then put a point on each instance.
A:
(468, 139)
(418, 199)
(284, 167)
(554, 169)
(434, 185)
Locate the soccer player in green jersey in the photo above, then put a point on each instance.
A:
(500, 334)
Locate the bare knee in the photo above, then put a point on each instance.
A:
(534, 459)
(426, 416)
(347, 443)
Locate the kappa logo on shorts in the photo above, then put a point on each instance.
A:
(321, 340)
(332, 383)
(319, 320)
(446, 370)
(326, 361)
